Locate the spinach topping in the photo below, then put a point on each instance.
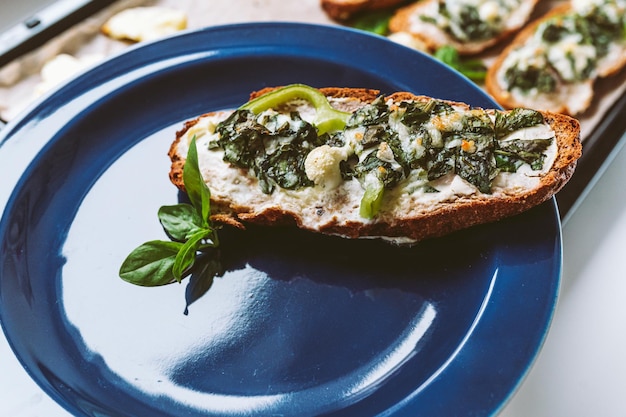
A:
(544, 79)
(375, 113)
(374, 173)
(558, 30)
(464, 23)
(416, 113)
(383, 170)
(388, 144)
(468, 151)
(516, 119)
(510, 155)
(472, 27)
(276, 156)
(600, 30)
(375, 118)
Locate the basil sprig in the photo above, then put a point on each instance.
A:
(189, 227)
(474, 69)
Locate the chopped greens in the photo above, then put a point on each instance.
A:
(373, 114)
(385, 144)
(276, 156)
(544, 79)
(512, 154)
(376, 21)
(516, 119)
(466, 24)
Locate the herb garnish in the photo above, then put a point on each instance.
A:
(474, 69)
(192, 235)
(376, 21)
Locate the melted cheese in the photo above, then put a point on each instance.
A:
(408, 40)
(613, 9)
(504, 15)
(332, 199)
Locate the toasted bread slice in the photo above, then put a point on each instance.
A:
(410, 211)
(344, 9)
(570, 96)
(425, 21)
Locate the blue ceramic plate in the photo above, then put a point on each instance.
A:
(300, 324)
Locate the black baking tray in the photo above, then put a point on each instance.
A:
(44, 24)
(598, 149)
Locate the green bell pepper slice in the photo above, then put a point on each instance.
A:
(327, 118)
(372, 199)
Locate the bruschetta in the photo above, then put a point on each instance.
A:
(554, 62)
(470, 26)
(354, 163)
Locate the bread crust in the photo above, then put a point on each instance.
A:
(401, 22)
(345, 9)
(507, 100)
(442, 220)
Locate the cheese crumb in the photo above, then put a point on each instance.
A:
(322, 165)
(462, 188)
(61, 68)
(408, 40)
(145, 23)
(385, 153)
(489, 11)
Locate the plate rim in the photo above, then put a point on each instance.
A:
(13, 128)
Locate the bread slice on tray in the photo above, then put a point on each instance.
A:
(553, 63)
(470, 26)
(344, 9)
(353, 163)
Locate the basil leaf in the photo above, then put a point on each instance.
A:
(372, 21)
(180, 221)
(474, 69)
(207, 267)
(151, 264)
(160, 262)
(196, 188)
(187, 254)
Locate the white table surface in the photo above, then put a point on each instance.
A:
(581, 370)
